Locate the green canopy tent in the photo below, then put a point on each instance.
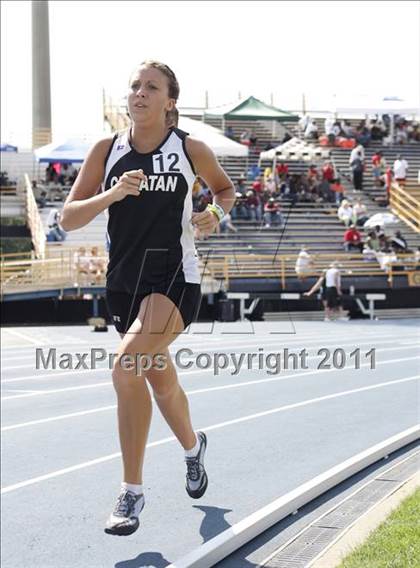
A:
(250, 109)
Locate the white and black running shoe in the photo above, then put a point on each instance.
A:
(196, 478)
(125, 518)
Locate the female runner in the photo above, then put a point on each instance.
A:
(153, 293)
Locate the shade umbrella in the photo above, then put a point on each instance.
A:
(381, 219)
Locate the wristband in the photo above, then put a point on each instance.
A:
(217, 210)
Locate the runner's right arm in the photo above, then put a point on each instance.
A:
(84, 202)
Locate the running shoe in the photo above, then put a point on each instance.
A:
(196, 478)
(125, 518)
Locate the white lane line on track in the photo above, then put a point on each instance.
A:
(109, 383)
(189, 392)
(23, 336)
(53, 474)
(204, 340)
(34, 377)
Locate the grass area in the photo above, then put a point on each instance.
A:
(395, 543)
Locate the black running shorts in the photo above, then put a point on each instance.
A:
(123, 307)
(332, 297)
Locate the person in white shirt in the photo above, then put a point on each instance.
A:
(304, 264)
(360, 215)
(311, 130)
(330, 281)
(400, 169)
(345, 212)
(354, 153)
(328, 125)
(304, 121)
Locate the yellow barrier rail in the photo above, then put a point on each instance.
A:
(405, 203)
(34, 220)
(64, 269)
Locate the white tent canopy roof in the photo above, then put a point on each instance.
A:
(367, 104)
(296, 149)
(213, 137)
(75, 150)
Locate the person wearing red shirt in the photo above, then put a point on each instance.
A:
(338, 190)
(352, 239)
(328, 173)
(378, 166)
(257, 185)
(282, 170)
(312, 173)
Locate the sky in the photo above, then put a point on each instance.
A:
(272, 50)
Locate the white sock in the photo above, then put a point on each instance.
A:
(194, 451)
(134, 488)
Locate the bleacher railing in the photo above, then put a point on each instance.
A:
(405, 203)
(61, 270)
(33, 219)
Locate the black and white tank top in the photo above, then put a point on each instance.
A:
(151, 238)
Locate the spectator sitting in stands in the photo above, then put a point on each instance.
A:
(97, 266)
(345, 212)
(338, 190)
(360, 215)
(303, 123)
(229, 133)
(239, 210)
(282, 170)
(253, 205)
(304, 264)
(41, 201)
(56, 232)
(328, 172)
(81, 266)
(311, 132)
(241, 186)
(252, 138)
(363, 136)
(398, 243)
(352, 239)
(383, 239)
(245, 138)
(413, 132)
(226, 225)
(51, 175)
(376, 129)
(270, 186)
(401, 136)
(66, 174)
(257, 185)
(272, 214)
(346, 129)
(372, 241)
(313, 173)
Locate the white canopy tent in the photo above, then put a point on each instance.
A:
(220, 144)
(363, 105)
(75, 150)
(295, 149)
